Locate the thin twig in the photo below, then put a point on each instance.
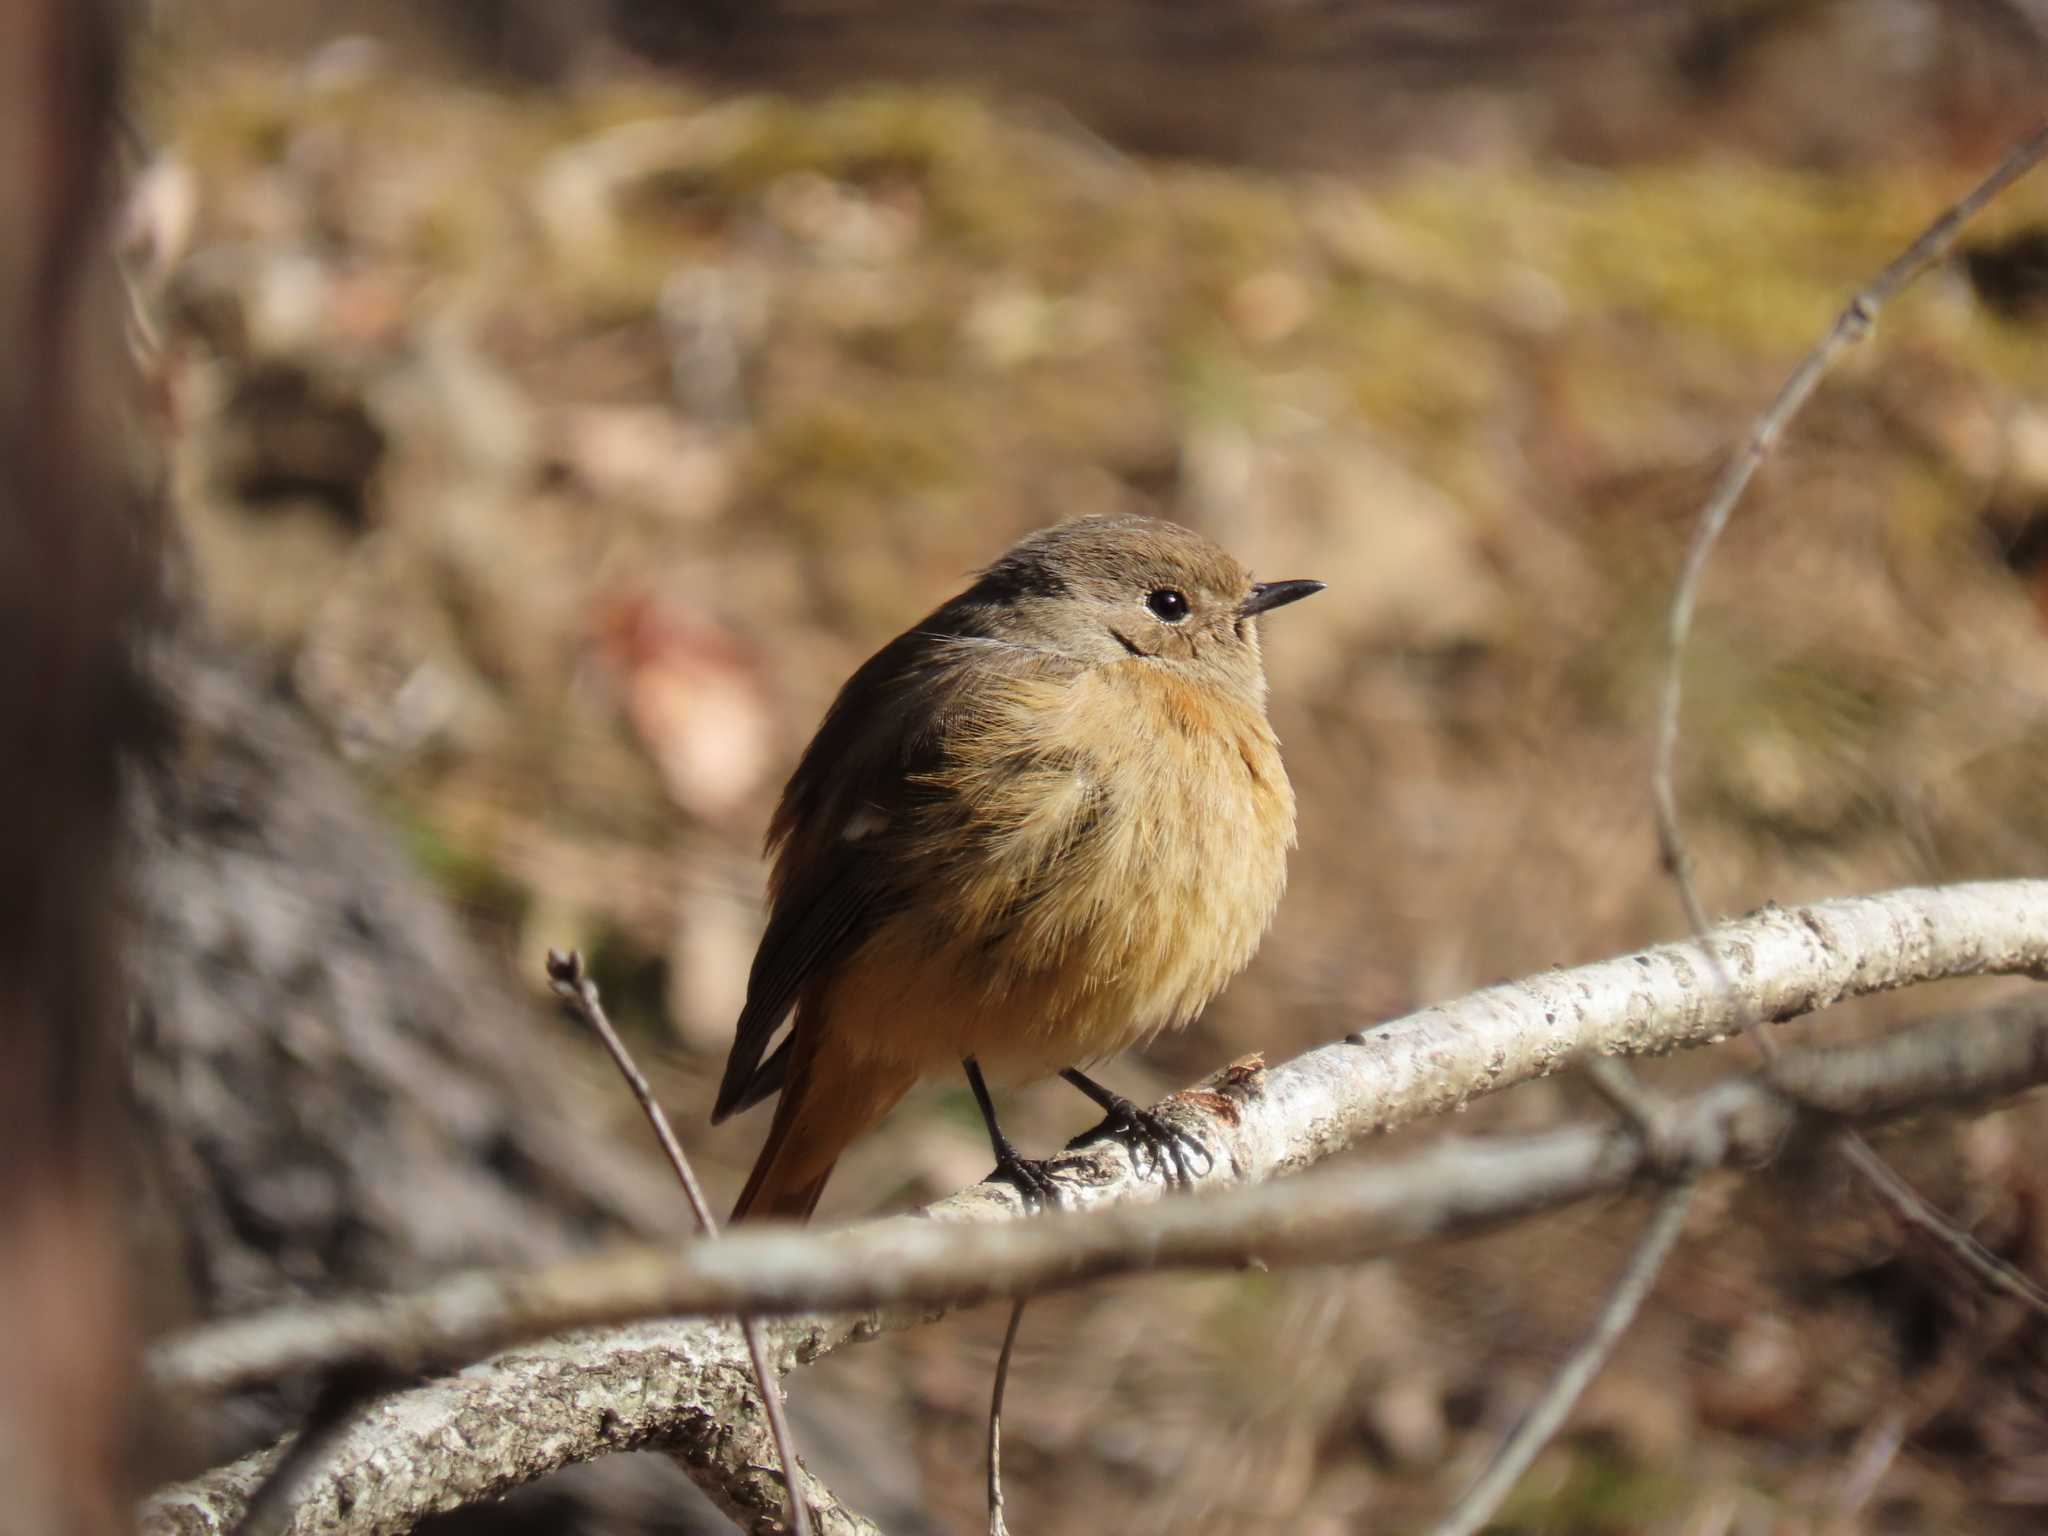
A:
(1911, 1207)
(572, 984)
(1851, 326)
(1543, 1420)
(996, 1527)
(1874, 1452)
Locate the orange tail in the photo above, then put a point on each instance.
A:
(825, 1105)
(774, 1188)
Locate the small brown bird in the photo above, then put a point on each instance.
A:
(1034, 830)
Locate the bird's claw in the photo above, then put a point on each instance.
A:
(1028, 1176)
(1154, 1141)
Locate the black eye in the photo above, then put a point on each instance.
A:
(1168, 604)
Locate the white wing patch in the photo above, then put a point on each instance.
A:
(863, 823)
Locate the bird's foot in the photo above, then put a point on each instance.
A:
(1152, 1140)
(1028, 1176)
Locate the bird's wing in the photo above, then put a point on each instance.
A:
(846, 832)
(811, 928)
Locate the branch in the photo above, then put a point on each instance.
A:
(541, 1407)
(534, 1409)
(687, 1385)
(1786, 962)
(997, 1526)
(686, 1390)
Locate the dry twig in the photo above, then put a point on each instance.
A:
(572, 984)
(996, 1527)
(1851, 326)
(1992, 1272)
(1548, 1415)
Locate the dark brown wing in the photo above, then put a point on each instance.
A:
(850, 818)
(817, 922)
(838, 833)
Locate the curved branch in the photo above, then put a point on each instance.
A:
(581, 1397)
(686, 1389)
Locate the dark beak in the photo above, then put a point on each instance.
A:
(1277, 594)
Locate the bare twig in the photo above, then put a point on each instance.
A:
(1875, 1450)
(1666, 1151)
(572, 984)
(1850, 327)
(996, 1527)
(1549, 1413)
(1997, 1276)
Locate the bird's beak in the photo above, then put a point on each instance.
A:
(1276, 594)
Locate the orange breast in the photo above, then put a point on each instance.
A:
(1122, 885)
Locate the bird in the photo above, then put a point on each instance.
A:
(1040, 826)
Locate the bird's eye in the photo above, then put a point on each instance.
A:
(1168, 604)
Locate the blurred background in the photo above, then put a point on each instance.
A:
(555, 401)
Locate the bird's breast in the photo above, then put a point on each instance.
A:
(1109, 855)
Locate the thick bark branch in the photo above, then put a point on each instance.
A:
(533, 1409)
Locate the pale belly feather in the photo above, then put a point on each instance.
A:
(1138, 924)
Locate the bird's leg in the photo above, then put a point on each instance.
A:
(1143, 1132)
(1027, 1173)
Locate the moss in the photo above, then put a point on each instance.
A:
(1758, 257)
(1227, 227)
(1413, 372)
(1212, 379)
(836, 451)
(244, 120)
(942, 144)
(472, 881)
(1600, 1490)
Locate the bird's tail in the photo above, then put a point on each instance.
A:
(824, 1106)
